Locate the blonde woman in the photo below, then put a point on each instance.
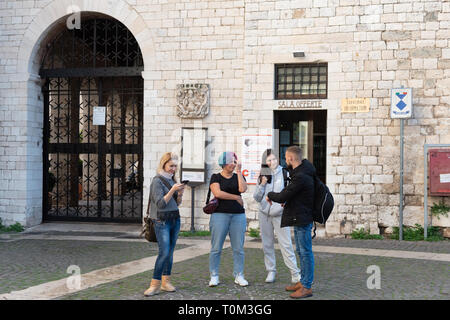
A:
(166, 195)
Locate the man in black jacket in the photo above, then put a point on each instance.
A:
(298, 199)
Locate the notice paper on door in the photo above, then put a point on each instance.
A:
(445, 178)
(99, 116)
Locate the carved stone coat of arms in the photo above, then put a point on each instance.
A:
(192, 100)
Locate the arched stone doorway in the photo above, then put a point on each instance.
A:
(93, 171)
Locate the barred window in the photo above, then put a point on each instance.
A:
(301, 81)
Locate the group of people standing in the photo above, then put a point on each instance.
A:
(285, 198)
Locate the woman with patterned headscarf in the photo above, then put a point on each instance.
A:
(228, 218)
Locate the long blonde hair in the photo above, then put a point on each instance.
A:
(166, 157)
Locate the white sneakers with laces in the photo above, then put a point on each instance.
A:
(271, 277)
(241, 281)
(214, 281)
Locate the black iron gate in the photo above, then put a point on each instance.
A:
(93, 172)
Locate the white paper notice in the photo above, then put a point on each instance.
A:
(445, 178)
(194, 149)
(99, 116)
(193, 176)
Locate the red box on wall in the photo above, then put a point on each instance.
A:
(439, 172)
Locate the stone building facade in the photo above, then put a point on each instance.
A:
(368, 46)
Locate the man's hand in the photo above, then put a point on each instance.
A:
(268, 200)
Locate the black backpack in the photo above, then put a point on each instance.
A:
(323, 203)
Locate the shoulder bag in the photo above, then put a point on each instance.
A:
(148, 230)
(212, 205)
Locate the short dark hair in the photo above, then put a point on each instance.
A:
(297, 151)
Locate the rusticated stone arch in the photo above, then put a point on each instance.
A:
(45, 26)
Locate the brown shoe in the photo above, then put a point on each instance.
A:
(153, 289)
(294, 287)
(166, 285)
(301, 293)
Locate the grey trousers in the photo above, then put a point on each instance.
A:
(270, 226)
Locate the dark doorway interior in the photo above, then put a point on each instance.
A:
(307, 129)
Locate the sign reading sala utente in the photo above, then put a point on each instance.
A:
(401, 103)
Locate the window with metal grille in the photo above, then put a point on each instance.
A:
(301, 81)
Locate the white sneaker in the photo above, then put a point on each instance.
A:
(296, 278)
(271, 277)
(241, 281)
(214, 281)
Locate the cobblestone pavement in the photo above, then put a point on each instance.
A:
(385, 244)
(422, 246)
(28, 262)
(25, 263)
(337, 276)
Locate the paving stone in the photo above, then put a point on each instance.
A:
(421, 246)
(337, 276)
(26, 263)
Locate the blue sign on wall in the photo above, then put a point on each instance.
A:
(401, 103)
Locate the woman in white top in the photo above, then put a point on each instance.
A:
(272, 178)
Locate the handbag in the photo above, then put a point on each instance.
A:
(148, 230)
(212, 205)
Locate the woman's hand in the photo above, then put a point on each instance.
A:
(177, 187)
(239, 167)
(263, 180)
(241, 181)
(240, 201)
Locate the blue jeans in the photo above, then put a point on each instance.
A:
(167, 235)
(303, 244)
(220, 225)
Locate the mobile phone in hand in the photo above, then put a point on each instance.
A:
(185, 181)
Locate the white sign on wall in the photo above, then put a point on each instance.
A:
(194, 148)
(193, 176)
(253, 147)
(444, 178)
(401, 103)
(99, 116)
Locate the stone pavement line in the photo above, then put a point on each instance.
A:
(76, 238)
(97, 238)
(58, 288)
(372, 252)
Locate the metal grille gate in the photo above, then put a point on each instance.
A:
(93, 173)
